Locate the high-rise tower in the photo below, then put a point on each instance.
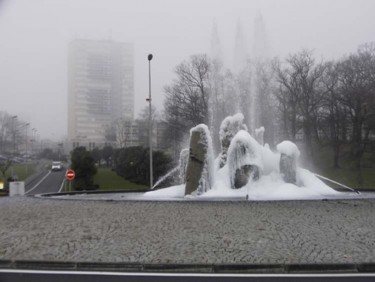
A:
(100, 90)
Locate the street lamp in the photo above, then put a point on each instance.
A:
(149, 57)
(14, 134)
(33, 136)
(14, 143)
(26, 125)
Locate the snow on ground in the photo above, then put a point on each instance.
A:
(170, 192)
(268, 187)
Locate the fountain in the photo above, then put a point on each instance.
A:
(244, 168)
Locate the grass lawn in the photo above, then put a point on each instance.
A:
(347, 173)
(109, 180)
(22, 171)
(349, 176)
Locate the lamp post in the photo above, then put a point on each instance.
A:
(33, 136)
(26, 125)
(14, 134)
(149, 57)
(14, 143)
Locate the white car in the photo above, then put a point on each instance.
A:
(56, 166)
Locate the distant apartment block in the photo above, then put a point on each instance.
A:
(137, 133)
(100, 89)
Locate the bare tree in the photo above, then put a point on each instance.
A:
(301, 94)
(5, 131)
(187, 98)
(357, 94)
(333, 115)
(117, 132)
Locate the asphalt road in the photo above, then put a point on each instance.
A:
(46, 182)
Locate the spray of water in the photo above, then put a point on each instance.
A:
(332, 181)
(169, 173)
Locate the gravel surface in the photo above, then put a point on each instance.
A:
(341, 231)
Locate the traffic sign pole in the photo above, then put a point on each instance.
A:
(70, 175)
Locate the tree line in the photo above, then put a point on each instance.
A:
(131, 163)
(312, 101)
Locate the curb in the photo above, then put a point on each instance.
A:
(189, 268)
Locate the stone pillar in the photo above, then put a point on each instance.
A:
(288, 168)
(198, 166)
(184, 157)
(244, 160)
(289, 154)
(229, 127)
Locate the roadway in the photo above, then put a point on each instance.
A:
(47, 182)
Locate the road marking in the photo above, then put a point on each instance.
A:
(36, 185)
(62, 185)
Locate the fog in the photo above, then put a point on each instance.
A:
(35, 36)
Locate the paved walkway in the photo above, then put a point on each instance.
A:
(188, 232)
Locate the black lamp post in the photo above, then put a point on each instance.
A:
(14, 134)
(149, 57)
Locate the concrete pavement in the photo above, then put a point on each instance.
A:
(188, 232)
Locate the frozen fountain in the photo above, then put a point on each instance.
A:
(245, 168)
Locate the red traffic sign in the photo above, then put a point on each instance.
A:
(70, 174)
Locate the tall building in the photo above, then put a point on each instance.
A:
(100, 90)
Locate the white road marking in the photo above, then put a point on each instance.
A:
(36, 185)
(62, 185)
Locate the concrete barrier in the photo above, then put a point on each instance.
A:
(16, 188)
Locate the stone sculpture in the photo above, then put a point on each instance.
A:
(199, 166)
(184, 157)
(244, 160)
(288, 161)
(228, 129)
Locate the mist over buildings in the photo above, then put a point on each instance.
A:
(35, 36)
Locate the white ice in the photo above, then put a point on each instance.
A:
(244, 149)
(288, 148)
(268, 188)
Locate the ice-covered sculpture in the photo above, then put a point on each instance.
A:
(244, 160)
(228, 129)
(199, 172)
(288, 161)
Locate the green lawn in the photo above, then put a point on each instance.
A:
(109, 180)
(22, 171)
(347, 173)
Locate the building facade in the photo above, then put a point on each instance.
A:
(100, 89)
(137, 134)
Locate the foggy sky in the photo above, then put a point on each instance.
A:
(34, 37)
